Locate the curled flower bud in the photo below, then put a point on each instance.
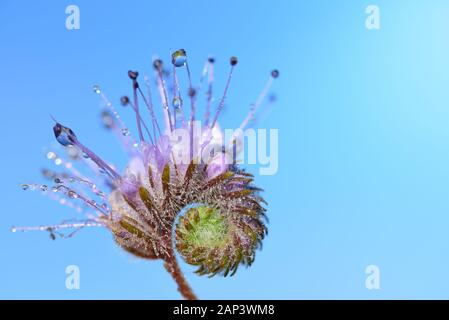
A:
(216, 242)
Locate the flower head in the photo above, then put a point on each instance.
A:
(182, 188)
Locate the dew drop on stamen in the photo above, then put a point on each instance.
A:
(179, 58)
(48, 174)
(72, 195)
(125, 132)
(107, 119)
(73, 152)
(96, 88)
(176, 102)
(64, 135)
(51, 155)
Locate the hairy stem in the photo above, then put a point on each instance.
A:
(172, 266)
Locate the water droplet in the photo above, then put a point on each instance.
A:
(43, 188)
(48, 174)
(107, 119)
(58, 161)
(125, 132)
(96, 88)
(275, 73)
(72, 194)
(233, 61)
(73, 152)
(13, 229)
(58, 181)
(64, 135)
(25, 186)
(51, 155)
(101, 194)
(176, 102)
(179, 58)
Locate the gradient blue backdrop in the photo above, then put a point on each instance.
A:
(364, 140)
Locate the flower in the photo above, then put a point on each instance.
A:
(182, 188)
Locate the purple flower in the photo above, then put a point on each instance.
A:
(182, 188)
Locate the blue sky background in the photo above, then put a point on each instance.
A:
(363, 119)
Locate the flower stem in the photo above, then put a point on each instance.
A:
(172, 266)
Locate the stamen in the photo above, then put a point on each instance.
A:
(177, 100)
(66, 137)
(133, 76)
(262, 95)
(123, 128)
(163, 92)
(76, 225)
(233, 62)
(148, 102)
(210, 82)
(72, 194)
(265, 110)
(138, 116)
(179, 59)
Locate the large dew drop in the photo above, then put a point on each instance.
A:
(179, 58)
